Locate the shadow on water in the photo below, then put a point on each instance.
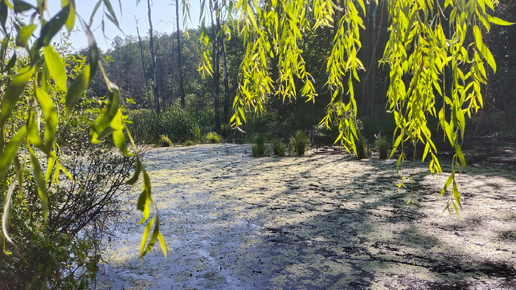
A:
(308, 223)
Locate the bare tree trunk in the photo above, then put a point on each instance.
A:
(216, 74)
(179, 61)
(153, 57)
(369, 82)
(141, 54)
(225, 74)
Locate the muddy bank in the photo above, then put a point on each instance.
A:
(319, 222)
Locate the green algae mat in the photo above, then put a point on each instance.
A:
(315, 222)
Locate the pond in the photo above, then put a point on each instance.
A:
(321, 221)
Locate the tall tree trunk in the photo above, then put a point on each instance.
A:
(216, 73)
(225, 74)
(179, 61)
(369, 82)
(153, 57)
(141, 54)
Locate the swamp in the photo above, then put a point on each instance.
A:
(321, 221)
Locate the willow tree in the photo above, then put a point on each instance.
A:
(29, 65)
(435, 54)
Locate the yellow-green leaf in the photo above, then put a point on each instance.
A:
(153, 239)
(24, 34)
(50, 115)
(37, 173)
(11, 150)
(13, 92)
(119, 139)
(137, 171)
(52, 27)
(448, 182)
(144, 201)
(77, 88)
(456, 194)
(56, 67)
(498, 21)
(145, 236)
(70, 22)
(486, 53)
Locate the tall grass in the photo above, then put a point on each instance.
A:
(178, 125)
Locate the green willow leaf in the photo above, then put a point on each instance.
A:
(93, 53)
(51, 163)
(486, 53)
(37, 173)
(13, 92)
(33, 132)
(10, 151)
(144, 200)
(11, 62)
(50, 116)
(152, 241)
(112, 15)
(22, 6)
(478, 37)
(7, 215)
(8, 202)
(456, 194)
(24, 34)
(145, 236)
(448, 182)
(20, 174)
(498, 21)
(56, 67)
(70, 22)
(458, 151)
(107, 114)
(4, 11)
(137, 171)
(52, 27)
(119, 139)
(77, 88)
(94, 12)
(162, 244)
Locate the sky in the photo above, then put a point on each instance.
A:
(163, 15)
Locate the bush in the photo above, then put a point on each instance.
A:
(63, 253)
(212, 137)
(164, 141)
(259, 149)
(179, 125)
(362, 147)
(278, 148)
(299, 143)
(382, 146)
(189, 143)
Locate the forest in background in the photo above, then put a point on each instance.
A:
(207, 98)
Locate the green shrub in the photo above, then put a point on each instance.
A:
(212, 137)
(189, 143)
(164, 141)
(299, 143)
(278, 148)
(382, 146)
(259, 148)
(180, 125)
(63, 252)
(362, 147)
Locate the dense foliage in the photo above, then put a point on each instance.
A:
(55, 196)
